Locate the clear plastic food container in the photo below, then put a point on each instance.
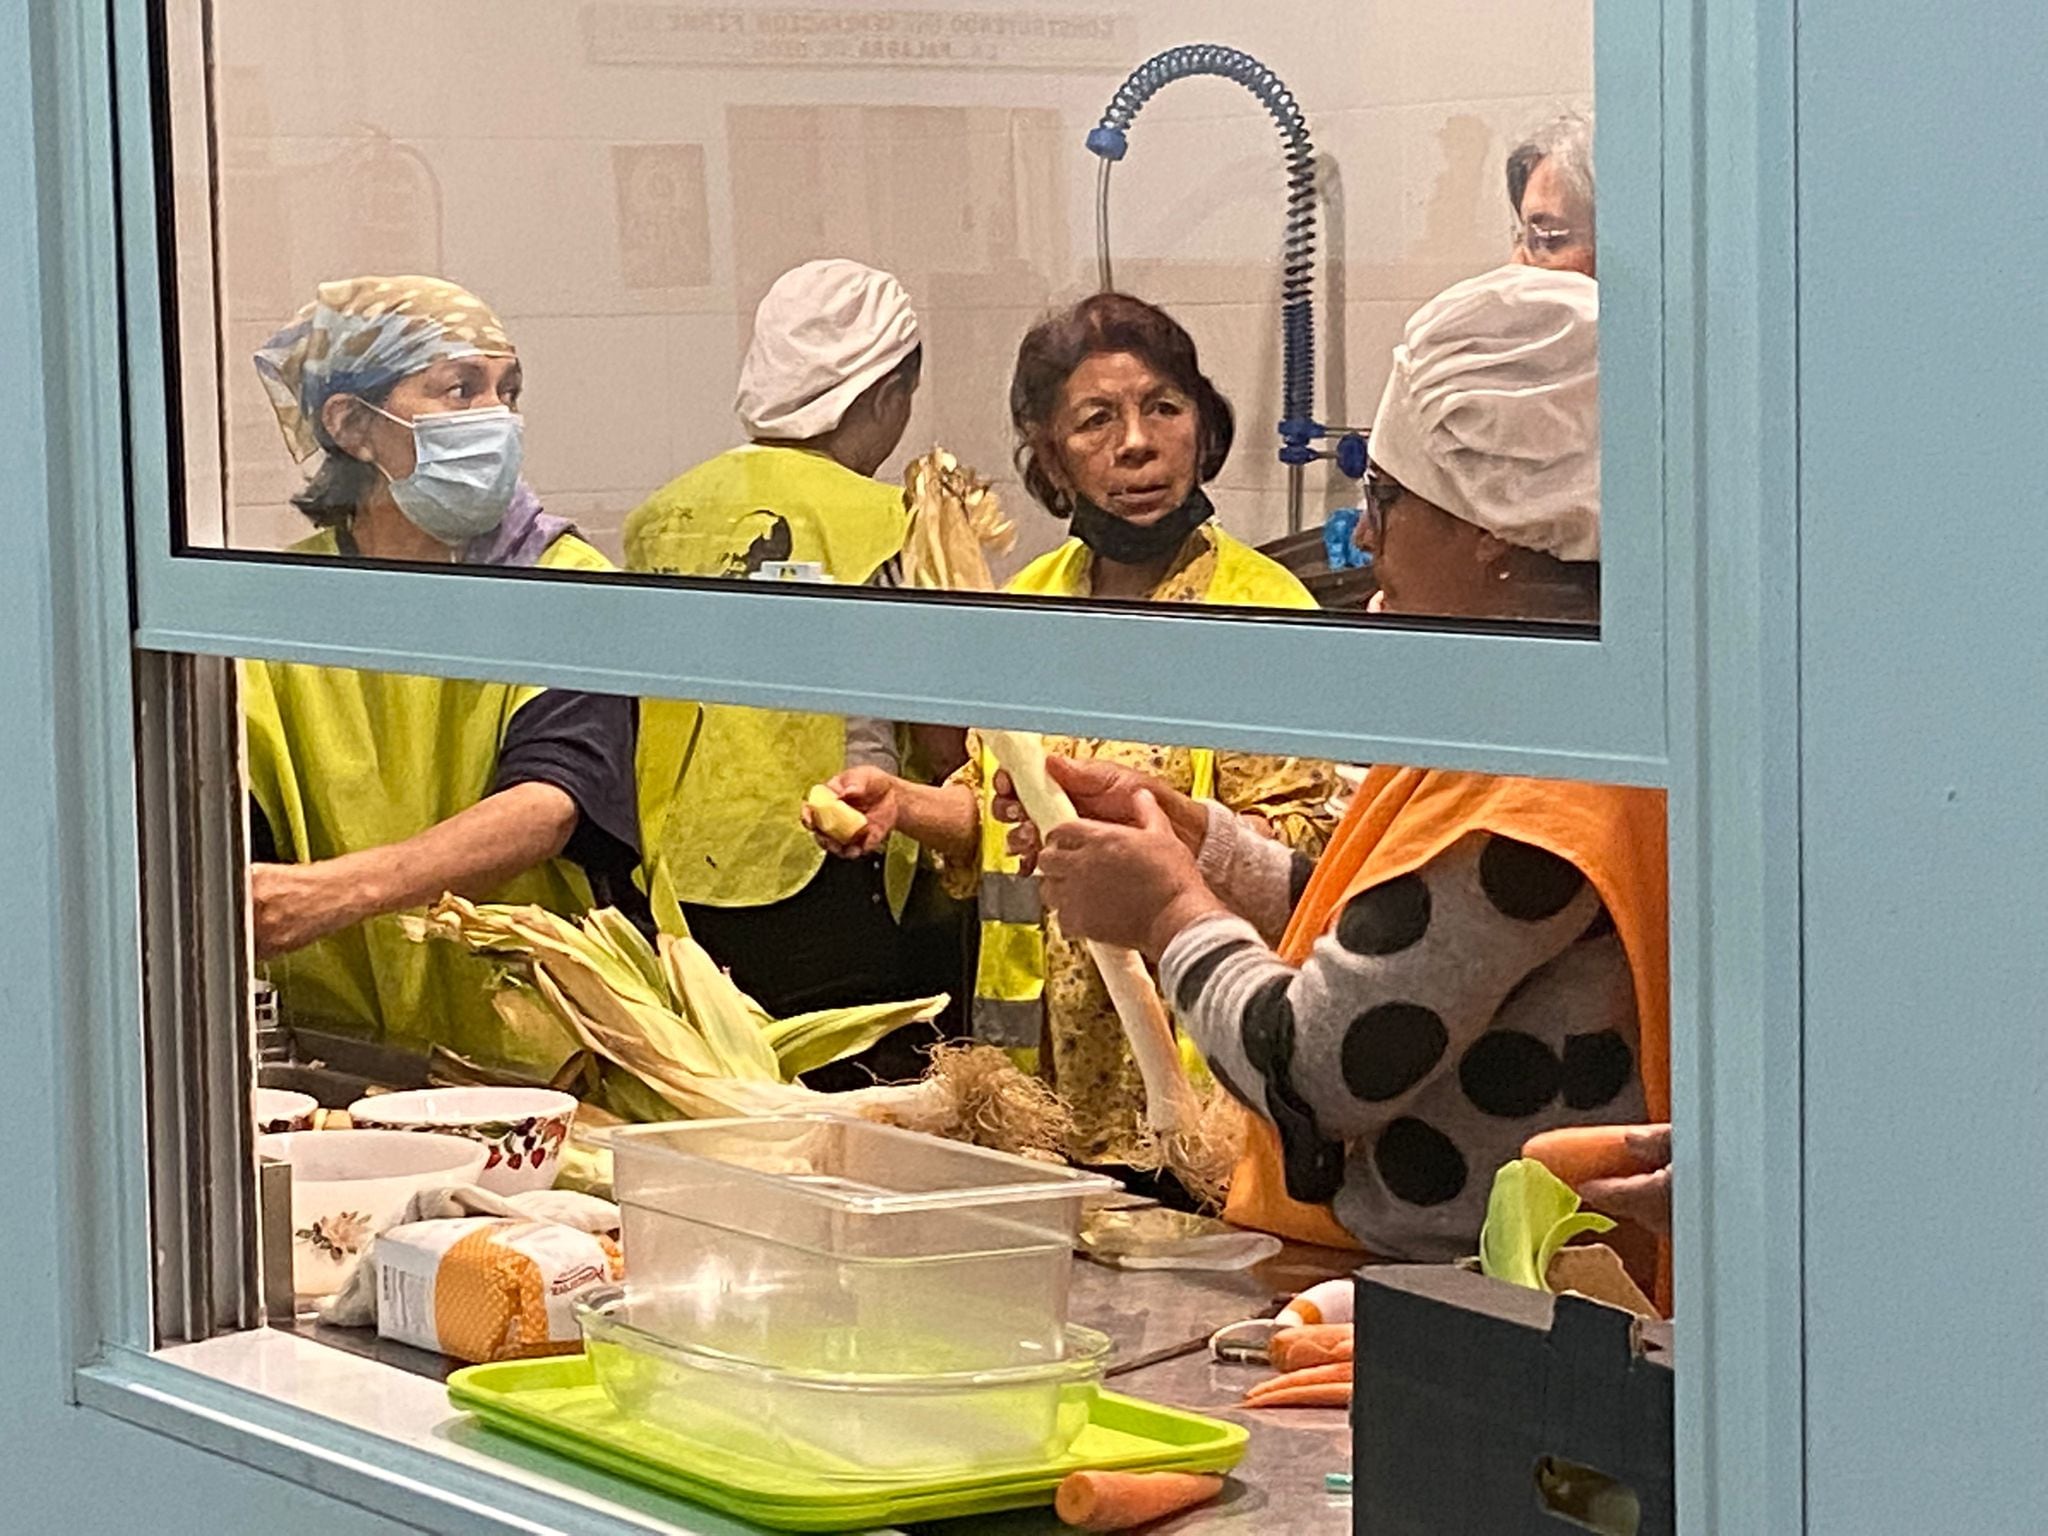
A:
(815, 1243)
(859, 1428)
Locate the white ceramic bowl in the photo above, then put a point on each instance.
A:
(279, 1110)
(348, 1185)
(524, 1129)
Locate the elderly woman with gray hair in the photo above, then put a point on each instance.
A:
(1550, 187)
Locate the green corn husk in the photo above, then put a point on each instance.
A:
(616, 932)
(608, 991)
(688, 1042)
(718, 1009)
(812, 1040)
(697, 1095)
(533, 1030)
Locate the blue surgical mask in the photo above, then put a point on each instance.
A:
(465, 468)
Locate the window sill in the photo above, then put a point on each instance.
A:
(374, 1437)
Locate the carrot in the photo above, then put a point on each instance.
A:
(1577, 1153)
(1123, 1501)
(1331, 1394)
(1294, 1349)
(1310, 1376)
(1328, 1301)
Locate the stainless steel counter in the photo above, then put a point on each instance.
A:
(1278, 1487)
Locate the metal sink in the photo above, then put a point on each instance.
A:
(337, 1070)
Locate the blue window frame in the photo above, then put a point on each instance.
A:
(1510, 702)
(1681, 688)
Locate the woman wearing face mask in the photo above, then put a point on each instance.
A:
(375, 793)
(1117, 430)
(1476, 959)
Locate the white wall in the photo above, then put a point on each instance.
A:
(624, 217)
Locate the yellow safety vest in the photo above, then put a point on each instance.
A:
(1009, 1002)
(342, 761)
(720, 785)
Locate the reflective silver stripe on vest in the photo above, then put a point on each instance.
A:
(1011, 1025)
(1010, 899)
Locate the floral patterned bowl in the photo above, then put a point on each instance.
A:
(349, 1185)
(524, 1129)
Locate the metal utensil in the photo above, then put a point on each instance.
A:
(1178, 1351)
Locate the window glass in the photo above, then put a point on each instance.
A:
(466, 885)
(511, 278)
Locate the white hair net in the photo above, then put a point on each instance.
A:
(825, 332)
(1492, 411)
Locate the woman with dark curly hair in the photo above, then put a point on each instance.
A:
(1477, 959)
(1118, 431)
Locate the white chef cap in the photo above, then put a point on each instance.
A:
(825, 332)
(1493, 408)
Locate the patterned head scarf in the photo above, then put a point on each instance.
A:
(363, 334)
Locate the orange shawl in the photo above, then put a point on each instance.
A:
(1403, 818)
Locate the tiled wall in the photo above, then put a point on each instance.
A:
(623, 203)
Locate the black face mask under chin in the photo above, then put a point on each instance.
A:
(1131, 544)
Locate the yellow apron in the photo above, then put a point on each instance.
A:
(342, 761)
(1009, 988)
(720, 785)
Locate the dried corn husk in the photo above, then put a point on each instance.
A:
(610, 926)
(533, 1030)
(723, 1014)
(955, 519)
(811, 1040)
(699, 1046)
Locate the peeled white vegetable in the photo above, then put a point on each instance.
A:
(833, 816)
(1171, 1104)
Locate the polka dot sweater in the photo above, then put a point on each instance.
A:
(1447, 1016)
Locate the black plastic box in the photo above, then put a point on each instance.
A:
(1478, 1405)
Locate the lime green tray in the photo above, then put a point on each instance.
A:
(557, 1403)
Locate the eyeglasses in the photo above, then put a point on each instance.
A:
(1380, 494)
(1543, 239)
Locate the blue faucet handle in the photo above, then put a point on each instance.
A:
(1108, 143)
